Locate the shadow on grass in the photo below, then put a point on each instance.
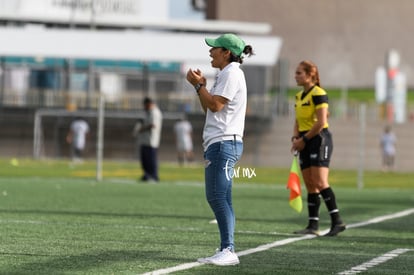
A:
(133, 215)
(102, 262)
(99, 214)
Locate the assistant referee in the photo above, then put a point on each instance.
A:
(312, 139)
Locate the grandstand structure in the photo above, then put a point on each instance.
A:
(65, 61)
(60, 57)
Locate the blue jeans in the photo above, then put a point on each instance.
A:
(220, 159)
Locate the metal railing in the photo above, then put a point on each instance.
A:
(264, 106)
(74, 100)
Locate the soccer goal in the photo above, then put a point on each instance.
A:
(116, 125)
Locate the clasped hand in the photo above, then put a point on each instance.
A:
(195, 77)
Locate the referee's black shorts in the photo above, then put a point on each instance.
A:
(318, 150)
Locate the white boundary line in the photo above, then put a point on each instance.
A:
(283, 242)
(376, 261)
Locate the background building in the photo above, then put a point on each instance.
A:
(60, 56)
(348, 39)
(65, 53)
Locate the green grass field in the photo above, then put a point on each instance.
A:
(57, 219)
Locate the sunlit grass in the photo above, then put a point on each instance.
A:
(194, 173)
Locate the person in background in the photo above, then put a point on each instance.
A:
(387, 142)
(312, 139)
(225, 109)
(76, 137)
(184, 141)
(149, 139)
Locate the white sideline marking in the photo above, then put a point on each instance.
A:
(383, 218)
(174, 269)
(376, 261)
(283, 242)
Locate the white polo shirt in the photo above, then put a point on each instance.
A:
(223, 125)
(152, 137)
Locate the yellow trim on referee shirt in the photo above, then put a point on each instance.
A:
(306, 107)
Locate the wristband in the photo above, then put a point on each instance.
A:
(293, 138)
(198, 86)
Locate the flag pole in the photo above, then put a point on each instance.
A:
(295, 196)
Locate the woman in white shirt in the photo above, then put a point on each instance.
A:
(225, 108)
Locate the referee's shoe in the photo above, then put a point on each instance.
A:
(335, 230)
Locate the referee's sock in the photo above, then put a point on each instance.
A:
(314, 202)
(330, 201)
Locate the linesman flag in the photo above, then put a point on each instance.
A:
(295, 198)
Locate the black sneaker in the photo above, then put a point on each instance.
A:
(307, 231)
(336, 229)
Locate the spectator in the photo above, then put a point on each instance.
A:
(150, 136)
(387, 142)
(78, 132)
(184, 141)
